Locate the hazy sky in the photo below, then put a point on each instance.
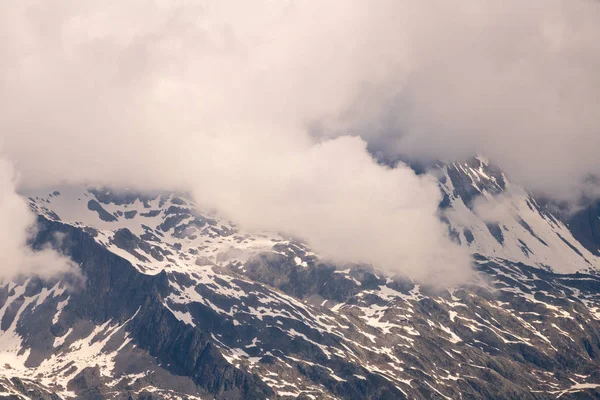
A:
(264, 109)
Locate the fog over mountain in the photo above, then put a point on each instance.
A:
(265, 110)
(299, 199)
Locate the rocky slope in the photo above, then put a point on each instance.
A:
(173, 302)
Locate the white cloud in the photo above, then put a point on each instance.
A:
(337, 197)
(224, 98)
(17, 227)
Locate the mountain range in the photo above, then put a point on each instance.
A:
(171, 301)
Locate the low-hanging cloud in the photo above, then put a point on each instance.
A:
(228, 99)
(17, 227)
(516, 81)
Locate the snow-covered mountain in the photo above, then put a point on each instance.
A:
(176, 302)
(496, 219)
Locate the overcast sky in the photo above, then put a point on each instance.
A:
(224, 99)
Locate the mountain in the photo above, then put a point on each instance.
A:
(176, 302)
(521, 228)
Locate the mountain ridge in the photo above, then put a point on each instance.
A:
(177, 303)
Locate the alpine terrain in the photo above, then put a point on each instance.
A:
(174, 302)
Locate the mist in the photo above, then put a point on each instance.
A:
(17, 228)
(266, 110)
(515, 81)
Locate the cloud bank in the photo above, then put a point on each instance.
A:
(264, 110)
(17, 227)
(516, 81)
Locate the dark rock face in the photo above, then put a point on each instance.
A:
(116, 291)
(280, 271)
(108, 196)
(461, 177)
(496, 231)
(190, 352)
(585, 226)
(102, 213)
(24, 389)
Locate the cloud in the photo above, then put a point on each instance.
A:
(264, 110)
(17, 227)
(348, 207)
(218, 98)
(516, 81)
